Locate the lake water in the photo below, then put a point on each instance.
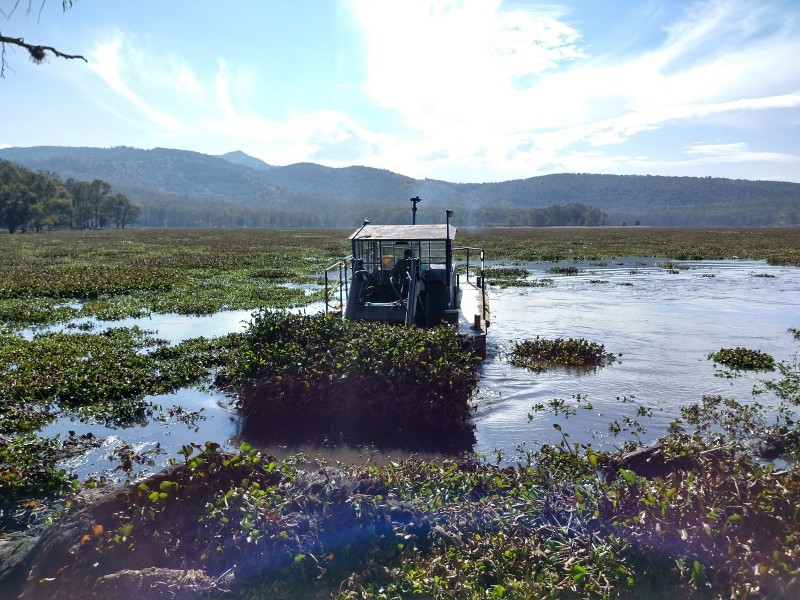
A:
(662, 325)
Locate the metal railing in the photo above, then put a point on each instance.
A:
(340, 282)
(481, 284)
(468, 249)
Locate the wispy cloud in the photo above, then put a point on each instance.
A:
(126, 72)
(468, 87)
(737, 152)
(459, 84)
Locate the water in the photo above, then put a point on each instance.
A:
(662, 325)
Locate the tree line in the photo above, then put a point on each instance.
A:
(31, 201)
(163, 211)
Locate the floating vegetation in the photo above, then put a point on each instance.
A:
(503, 277)
(29, 478)
(540, 355)
(673, 266)
(536, 283)
(744, 359)
(131, 273)
(564, 270)
(497, 273)
(693, 516)
(103, 376)
(778, 246)
(559, 406)
(764, 275)
(510, 277)
(300, 374)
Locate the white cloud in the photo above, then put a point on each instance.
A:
(108, 64)
(737, 152)
(511, 91)
(473, 88)
(444, 66)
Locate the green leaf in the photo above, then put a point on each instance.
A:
(628, 476)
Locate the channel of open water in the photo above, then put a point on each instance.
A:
(661, 324)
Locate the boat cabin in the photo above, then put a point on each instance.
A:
(403, 274)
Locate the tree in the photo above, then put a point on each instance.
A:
(52, 205)
(117, 210)
(37, 52)
(40, 200)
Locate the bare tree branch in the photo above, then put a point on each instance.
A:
(37, 53)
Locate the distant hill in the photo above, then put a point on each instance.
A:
(238, 157)
(181, 188)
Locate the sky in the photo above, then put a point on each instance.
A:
(461, 91)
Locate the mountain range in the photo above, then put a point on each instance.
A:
(183, 188)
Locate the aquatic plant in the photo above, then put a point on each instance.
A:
(743, 358)
(103, 376)
(29, 478)
(787, 388)
(363, 379)
(541, 354)
(546, 244)
(570, 270)
(117, 274)
(692, 516)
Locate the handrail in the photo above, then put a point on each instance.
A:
(468, 248)
(341, 265)
(482, 284)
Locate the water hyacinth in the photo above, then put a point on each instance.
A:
(743, 358)
(362, 379)
(540, 354)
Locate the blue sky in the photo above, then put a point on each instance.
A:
(469, 91)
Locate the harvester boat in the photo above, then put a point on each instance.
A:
(407, 275)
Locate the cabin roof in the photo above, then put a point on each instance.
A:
(404, 232)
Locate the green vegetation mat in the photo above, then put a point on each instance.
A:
(298, 374)
(702, 514)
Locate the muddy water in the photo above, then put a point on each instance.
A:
(661, 324)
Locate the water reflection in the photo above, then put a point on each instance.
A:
(662, 323)
(204, 415)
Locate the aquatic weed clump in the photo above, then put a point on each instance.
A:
(104, 376)
(311, 375)
(540, 354)
(744, 359)
(29, 478)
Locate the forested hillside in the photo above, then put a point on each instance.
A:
(180, 188)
